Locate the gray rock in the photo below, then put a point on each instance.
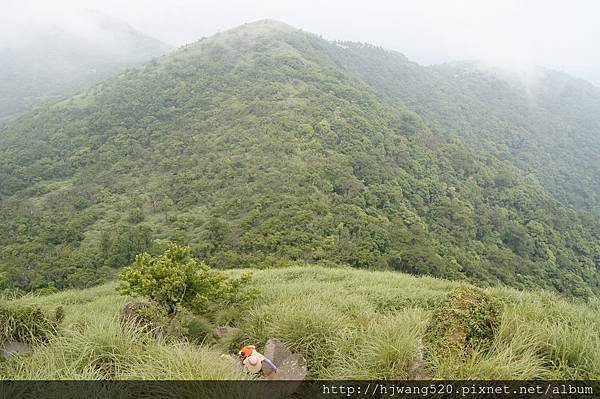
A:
(223, 331)
(15, 347)
(290, 366)
(417, 369)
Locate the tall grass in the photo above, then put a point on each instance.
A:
(362, 324)
(105, 349)
(347, 323)
(26, 324)
(92, 343)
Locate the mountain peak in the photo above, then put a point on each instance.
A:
(271, 24)
(259, 28)
(242, 40)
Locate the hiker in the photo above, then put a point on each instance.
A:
(255, 362)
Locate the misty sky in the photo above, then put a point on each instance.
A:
(563, 35)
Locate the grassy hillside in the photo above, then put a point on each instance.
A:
(545, 124)
(347, 323)
(257, 149)
(56, 60)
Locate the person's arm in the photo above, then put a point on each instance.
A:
(270, 364)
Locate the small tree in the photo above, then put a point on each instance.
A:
(175, 278)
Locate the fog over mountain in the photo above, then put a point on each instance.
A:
(516, 34)
(45, 57)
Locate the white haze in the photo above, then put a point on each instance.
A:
(562, 35)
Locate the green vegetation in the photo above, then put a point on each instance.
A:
(27, 324)
(348, 324)
(542, 124)
(258, 149)
(467, 320)
(92, 343)
(265, 148)
(176, 279)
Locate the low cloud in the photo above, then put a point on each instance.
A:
(507, 33)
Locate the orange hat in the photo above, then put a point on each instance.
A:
(247, 350)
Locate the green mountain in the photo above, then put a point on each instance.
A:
(258, 147)
(57, 60)
(544, 124)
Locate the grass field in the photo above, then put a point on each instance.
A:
(349, 324)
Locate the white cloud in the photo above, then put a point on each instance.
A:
(517, 33)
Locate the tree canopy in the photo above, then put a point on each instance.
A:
(257, 148)
(175, 278)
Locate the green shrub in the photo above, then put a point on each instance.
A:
(175, 278)
(196, 329)
(466, 320)
(229, 316)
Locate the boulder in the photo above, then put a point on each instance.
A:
(12, 348)
(290, 366)
(223, 331)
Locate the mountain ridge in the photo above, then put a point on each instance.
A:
(547, 128)
(256, 149)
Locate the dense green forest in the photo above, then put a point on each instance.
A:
(259, 147)
(542, 123)
(55, 60)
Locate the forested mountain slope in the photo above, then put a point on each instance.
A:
(256, 148)
(56, 61)
(546, 124)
